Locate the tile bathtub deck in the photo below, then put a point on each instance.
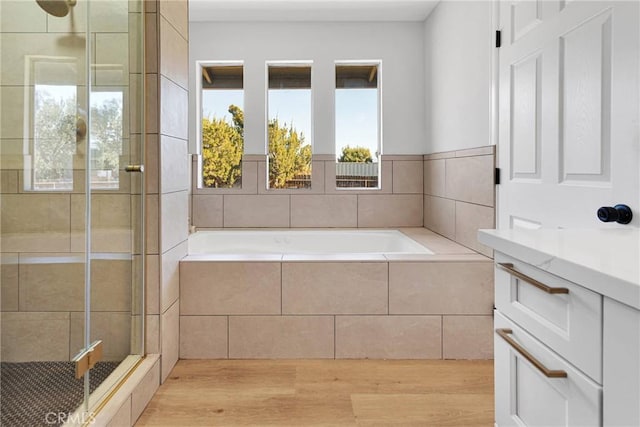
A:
(443, 250)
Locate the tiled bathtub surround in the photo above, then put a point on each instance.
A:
(459, 194)
(376, 306)
(398, 203)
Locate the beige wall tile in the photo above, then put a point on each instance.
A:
(144, 391)
(398, 210)
(9, 180)
(152, 289)
(151, 5)
(470, 179)
(324, 211)
(53, 284)
(173, 109)
(174, 217)
(281, 337)
(256, 211)
(35, 222)
(434, 177)
(207, 211)
(151, 42)
(334, 288)
(12, 106)
(114, 329)
(152, 334)
(169, 339)
(177, 13)
(203, 337)
(440, 216)
(110, 222)
(174, 157)
(112, 68)
(152, 164)
(152, 106)
(408, 177)
(136, 38)
(467, 337)
(16, 46)
(469, 219)
(229, 288)
(12, 154)
(152, 230)
(122, 417)
(9, 294)
(32, 337)
(17, 16)
(441, 288)
(388, 337)
(174, 54)
(479, 151)
(170, 275)
(111, 285)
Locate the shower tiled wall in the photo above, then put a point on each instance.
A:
(459, 194)
(167, 173)
(398, 203)
(42, 241)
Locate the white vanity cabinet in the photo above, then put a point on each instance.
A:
(621, 357)
(567, 327)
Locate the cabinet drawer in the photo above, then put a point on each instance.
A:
(526, 397)
(569, 323)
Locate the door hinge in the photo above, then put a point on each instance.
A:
(496, 176)
(498, 38)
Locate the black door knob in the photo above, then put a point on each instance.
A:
(619, 213)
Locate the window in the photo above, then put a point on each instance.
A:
(106, 138)
(357, 112)
(289, 125)
(222, 127)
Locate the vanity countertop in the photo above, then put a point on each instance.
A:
(607, 261)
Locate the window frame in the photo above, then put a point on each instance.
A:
(379, 152)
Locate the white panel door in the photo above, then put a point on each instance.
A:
(569, 94)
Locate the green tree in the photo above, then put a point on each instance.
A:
(222, 148)
(289, 156)
(54, 137)
(106, 135)
(356, 155)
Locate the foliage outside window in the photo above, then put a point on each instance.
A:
(289, 126)
(222, 131)
(357, 126)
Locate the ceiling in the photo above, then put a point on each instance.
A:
(310, 10)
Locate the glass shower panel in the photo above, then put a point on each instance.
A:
(72, 266)
(43, 134)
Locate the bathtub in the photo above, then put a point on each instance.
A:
(305, 242)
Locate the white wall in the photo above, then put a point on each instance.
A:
(400, 46)
(458, 48)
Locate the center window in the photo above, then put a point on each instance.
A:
(289, 125)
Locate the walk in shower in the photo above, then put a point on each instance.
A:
(72, 202)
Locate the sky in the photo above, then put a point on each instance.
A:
(356, 113)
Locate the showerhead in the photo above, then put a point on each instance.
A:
(57, 8)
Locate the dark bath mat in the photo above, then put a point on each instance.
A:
(35, 393)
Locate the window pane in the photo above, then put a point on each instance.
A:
(357, 115)
(222, 126)
(106, 139)
(54, 139)
(289, 127)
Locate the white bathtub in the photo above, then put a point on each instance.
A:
(288, 242)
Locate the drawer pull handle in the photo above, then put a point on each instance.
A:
(548, 289)
(549, 373)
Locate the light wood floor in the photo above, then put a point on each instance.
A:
(327, 393)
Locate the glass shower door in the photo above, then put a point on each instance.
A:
(71, 214)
